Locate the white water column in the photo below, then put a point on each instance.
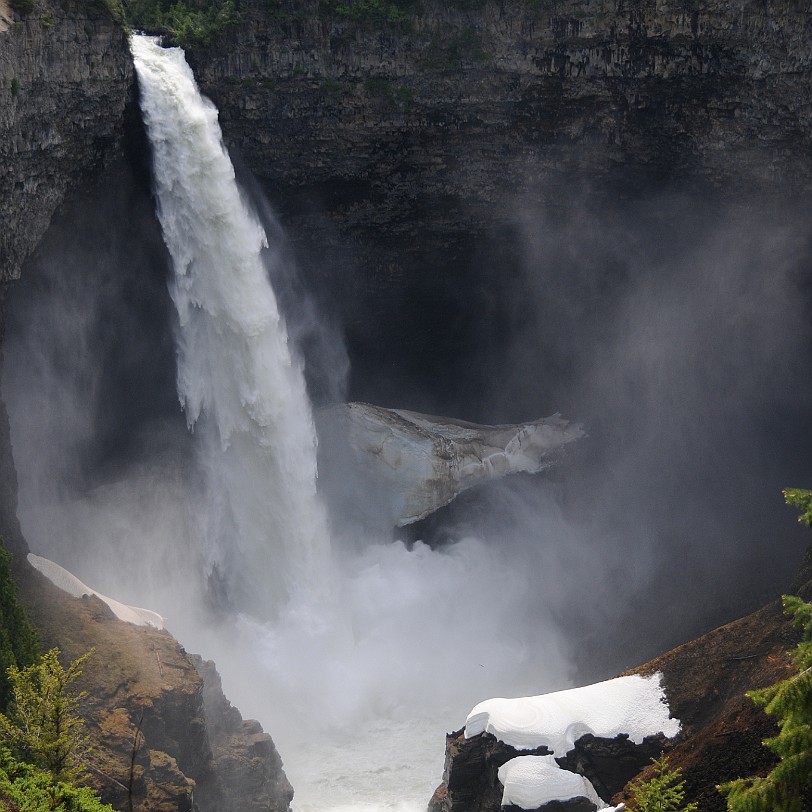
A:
(243, 394)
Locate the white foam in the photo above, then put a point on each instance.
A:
(68, 582)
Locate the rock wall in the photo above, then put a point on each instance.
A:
(164, 737)
(466, 101)
(66, 78)
(399, 156)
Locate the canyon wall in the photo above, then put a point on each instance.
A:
(408, 155)
(66, 78)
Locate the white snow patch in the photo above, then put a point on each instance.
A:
(633, 705)
(531, 781)
(69, 583)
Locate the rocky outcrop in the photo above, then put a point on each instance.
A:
(397, 466)
(245, 763)
(164, 737)
(705, 683)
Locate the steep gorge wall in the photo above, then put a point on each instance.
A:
(66, 78)
(398, 152)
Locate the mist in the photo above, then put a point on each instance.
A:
(676, 327)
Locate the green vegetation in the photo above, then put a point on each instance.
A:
(43, 726)
(331, 88)
(790, 702)
(18, 640)
(26, 788)
(22, 7)
(801, 499)
(663, 792)
(187, 22)
(15, 91)
(380, 88)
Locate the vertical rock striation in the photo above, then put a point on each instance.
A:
(402, 152)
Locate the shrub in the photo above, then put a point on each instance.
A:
(663, 792)
(28, 789)
(22, 7)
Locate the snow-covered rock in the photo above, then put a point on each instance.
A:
(532, 781)
(407, 465)
(633, 706)
(69, 583)
(631, 709)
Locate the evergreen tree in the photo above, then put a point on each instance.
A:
(18, 641)
(663, 792)
(43, 724)
(25, 788)
(790, 702)
(802, 499)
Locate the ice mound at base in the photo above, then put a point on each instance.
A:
(635, 706)
(69, 583)
(531, 781)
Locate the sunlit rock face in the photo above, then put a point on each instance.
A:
(401, 466)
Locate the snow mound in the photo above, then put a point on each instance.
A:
(69, 583)
(633, 705)
(531, 781)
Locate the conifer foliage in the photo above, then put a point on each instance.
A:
(790, 702)
(43, 725)
(18, 641)
(663, 792)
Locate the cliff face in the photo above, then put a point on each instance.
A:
(164, 737)
(65, 80)
(464, 105)
(404, 154)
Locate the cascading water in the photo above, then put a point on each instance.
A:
(242, 393)
(356, 662)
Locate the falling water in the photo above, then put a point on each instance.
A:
(357, 663)
(243, 395)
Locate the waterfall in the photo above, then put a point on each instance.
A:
(244, 396)
(359, 656)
